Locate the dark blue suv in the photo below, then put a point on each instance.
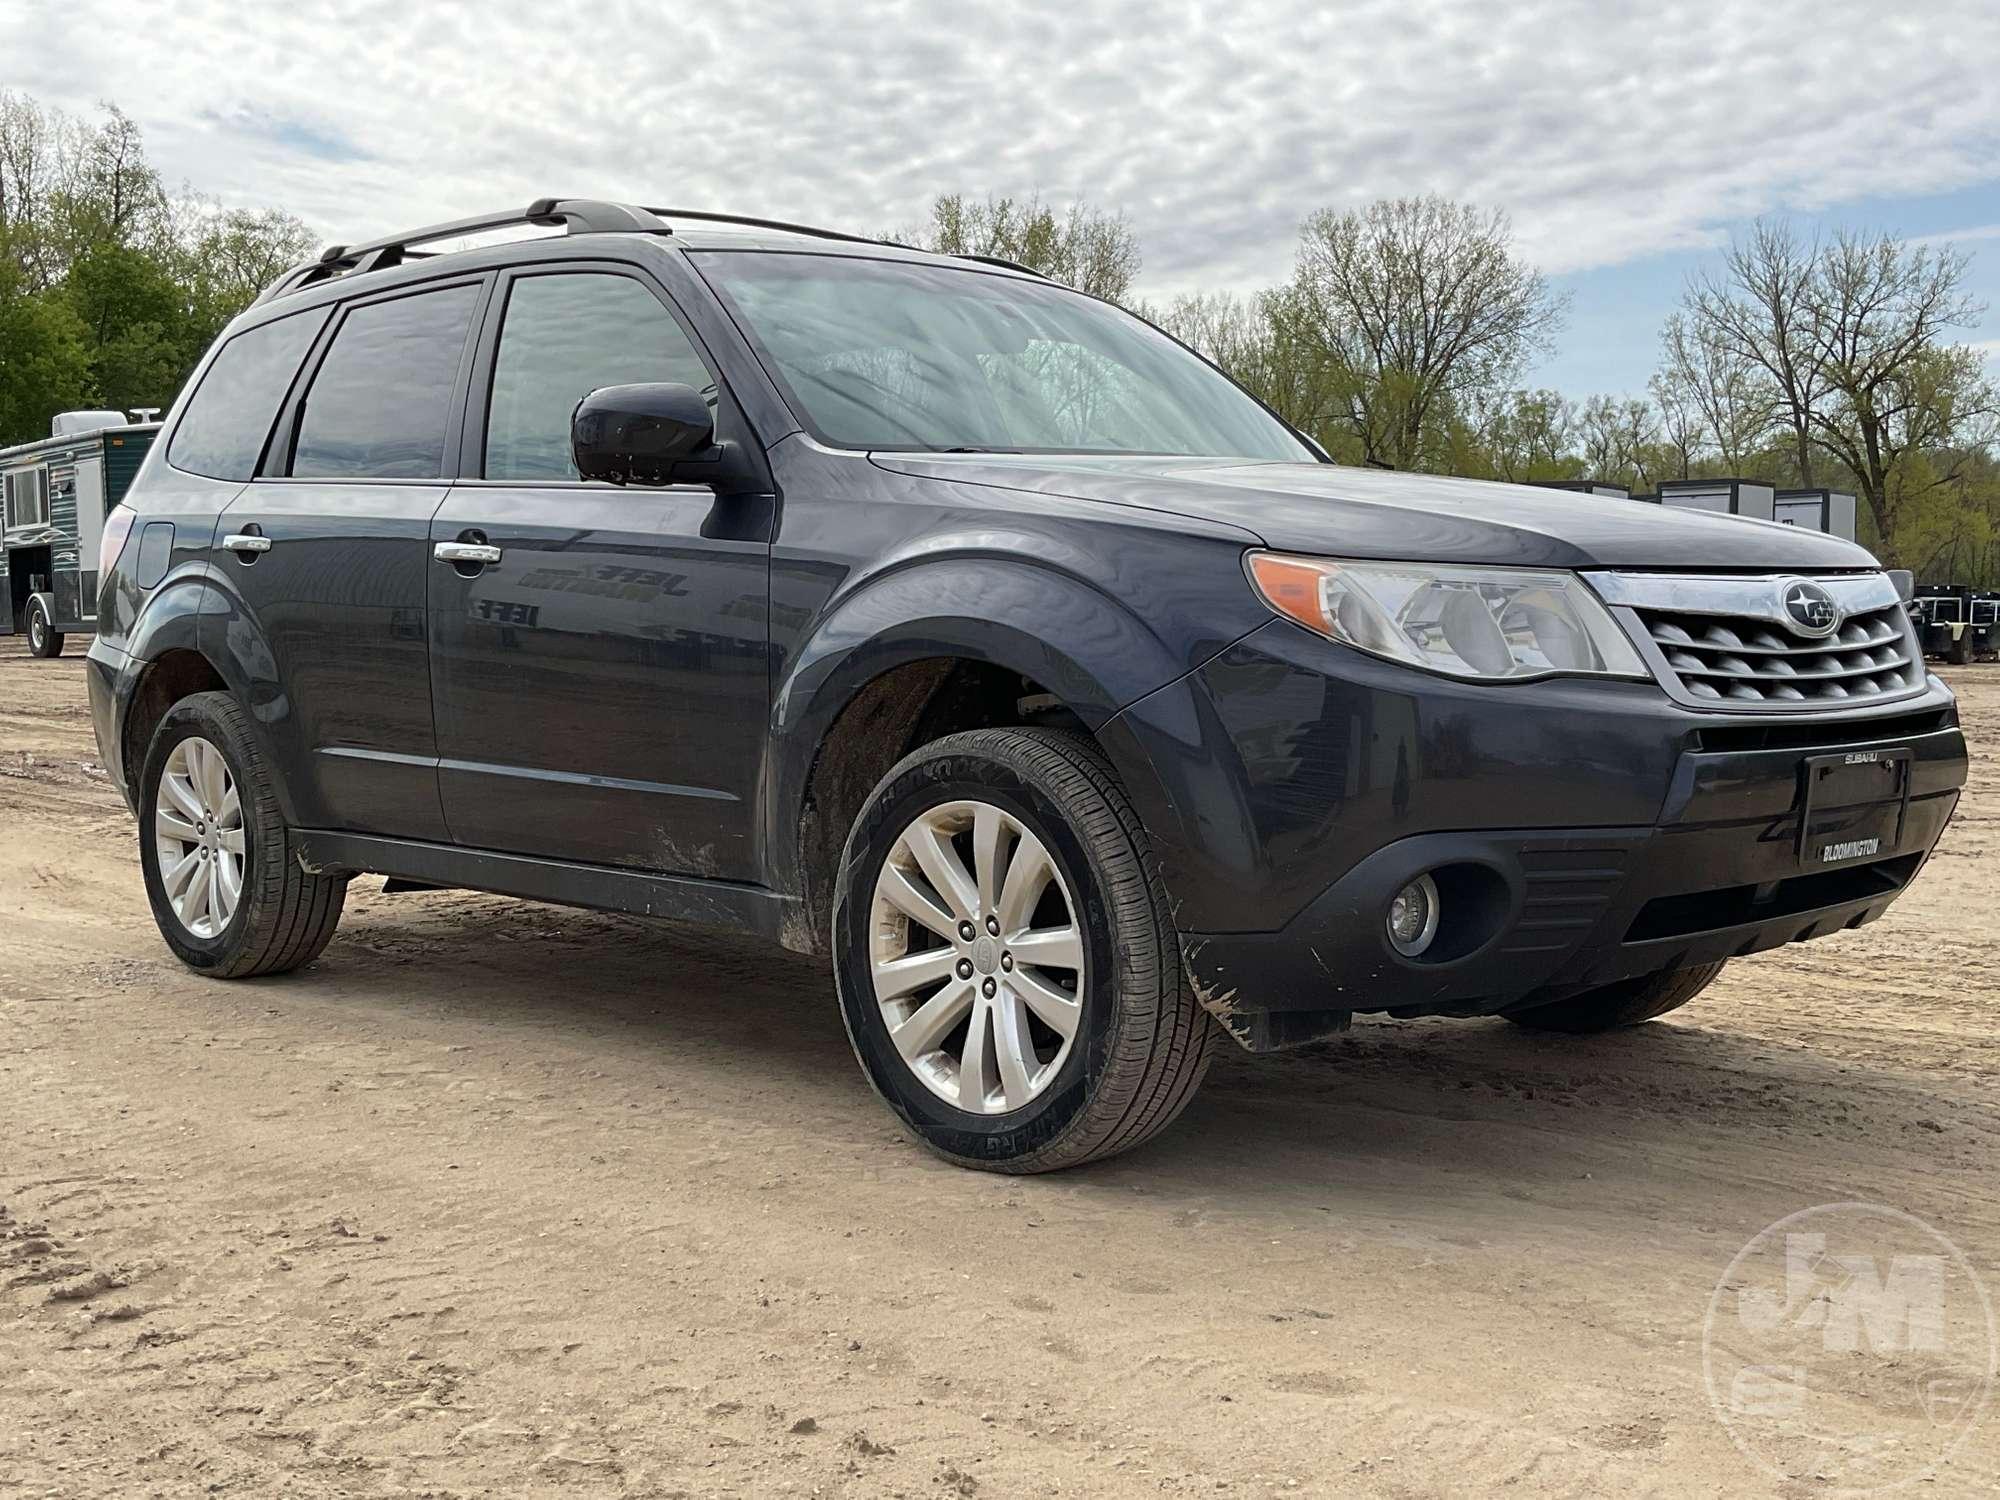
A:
(919, 611)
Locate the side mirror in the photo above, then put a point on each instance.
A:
(643, 434)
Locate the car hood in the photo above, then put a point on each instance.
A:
(1371, 513)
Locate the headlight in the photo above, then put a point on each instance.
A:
(1486, 623)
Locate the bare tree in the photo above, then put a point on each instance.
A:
(1729, 396)
(1524, 435)
(1683, 426)
(1411, 306)
(1759, 311)
(1616, 437)
(1879, 310)
(1080, 246)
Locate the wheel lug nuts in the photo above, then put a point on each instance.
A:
(966, 932)
(1007, 962)
(988, 988)
(965, 968)
(993, 925)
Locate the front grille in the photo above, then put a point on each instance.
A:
(1742, 642)
(1750, 661)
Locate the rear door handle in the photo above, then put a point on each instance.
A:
(246, 545)
(465, 552)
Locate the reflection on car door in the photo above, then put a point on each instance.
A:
(601, 683)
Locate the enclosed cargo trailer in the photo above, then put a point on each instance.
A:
(54, 496)
(1729, 497)
(1830, 511)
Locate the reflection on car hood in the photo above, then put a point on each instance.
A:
(1341, 512)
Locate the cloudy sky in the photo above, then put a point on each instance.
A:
(1626, 141)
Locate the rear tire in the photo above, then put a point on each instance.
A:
(44, 640)
(278, 916)
(1629, 1002)
(1137, 1042)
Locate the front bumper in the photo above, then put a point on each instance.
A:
(1583, 832)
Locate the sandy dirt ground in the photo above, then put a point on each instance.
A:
(500, 1199)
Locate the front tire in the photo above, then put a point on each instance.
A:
(1628, 1002)
(1008, 968)
(226, 888)
(44, 640)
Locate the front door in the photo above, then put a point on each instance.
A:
(601, 683)
(330, 559)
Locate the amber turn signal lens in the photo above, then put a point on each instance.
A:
(1291, 587)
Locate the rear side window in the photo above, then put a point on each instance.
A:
(27, 498)
(223, 430)
(564, 337)
(379, 404)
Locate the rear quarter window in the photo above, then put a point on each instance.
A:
(222, 432)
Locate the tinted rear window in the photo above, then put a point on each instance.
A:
(223, 430)
(379, 404)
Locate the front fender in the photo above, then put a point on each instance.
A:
(1079, 642)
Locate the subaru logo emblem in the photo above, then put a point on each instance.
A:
(1810, 609)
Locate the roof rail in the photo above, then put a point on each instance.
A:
(831, 234)
(1001, 260)
(780, 224)
(581, 215)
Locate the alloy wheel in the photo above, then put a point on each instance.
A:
(977, 957)
(198, 829)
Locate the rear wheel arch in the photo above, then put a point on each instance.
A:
(193, 636)
(173, 675)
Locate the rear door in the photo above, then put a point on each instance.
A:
(601, 684)
(329, 555)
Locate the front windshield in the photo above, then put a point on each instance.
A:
(900, 354)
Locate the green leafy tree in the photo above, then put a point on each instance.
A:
(110, 286)
(44, 358)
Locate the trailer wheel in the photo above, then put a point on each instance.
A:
(43, 638)
(1960, 654)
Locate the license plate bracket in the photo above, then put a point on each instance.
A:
(1852, 781)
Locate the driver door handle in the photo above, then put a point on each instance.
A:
(465, 552)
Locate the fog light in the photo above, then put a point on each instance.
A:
(1413, 917)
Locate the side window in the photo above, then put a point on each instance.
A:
(379, 404)
(27, 497)
(222, 431)
(565, 336)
